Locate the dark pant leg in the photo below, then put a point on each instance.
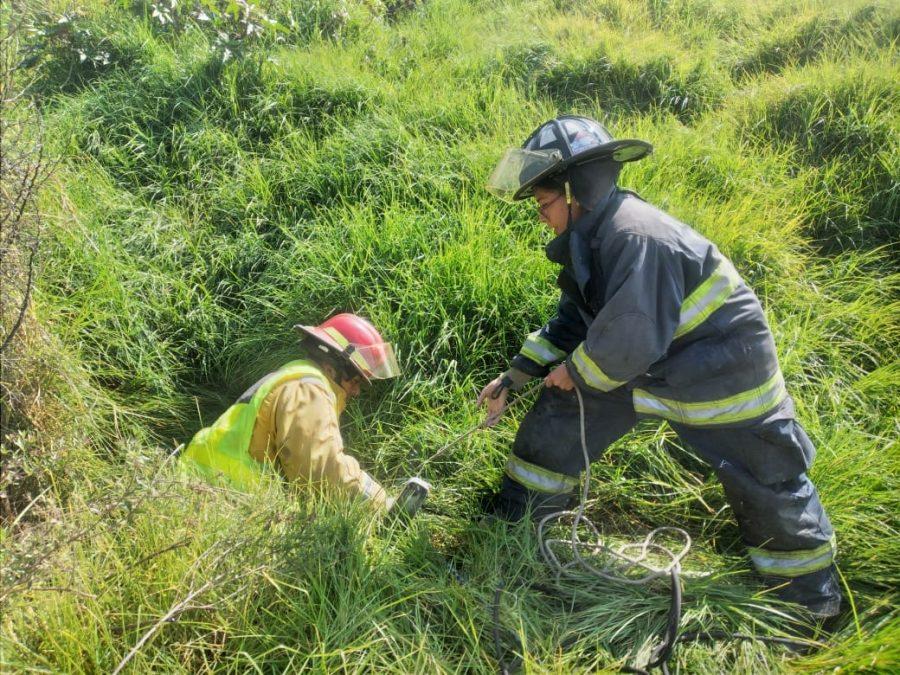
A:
(789, 536)
(547, 458)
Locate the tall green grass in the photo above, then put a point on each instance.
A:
(201, 208)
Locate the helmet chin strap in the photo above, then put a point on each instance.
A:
(568, 204)
(338, 361)
(348, 370)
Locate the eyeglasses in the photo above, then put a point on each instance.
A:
(542, 208)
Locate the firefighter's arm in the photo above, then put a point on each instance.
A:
(549, 345)
(541, 349)
(645, 289)
(308, 442)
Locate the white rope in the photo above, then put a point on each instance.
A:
(629, 563)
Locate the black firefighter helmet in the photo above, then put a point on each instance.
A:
(562, 144)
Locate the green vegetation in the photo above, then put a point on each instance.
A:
(203, 204)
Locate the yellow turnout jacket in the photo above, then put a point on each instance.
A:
(287, 421)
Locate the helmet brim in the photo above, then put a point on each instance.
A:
(502, 182)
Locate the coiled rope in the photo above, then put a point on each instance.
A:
(618, 564)
(628, 563)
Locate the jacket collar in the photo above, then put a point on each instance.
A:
(572, 248)
(340, 396)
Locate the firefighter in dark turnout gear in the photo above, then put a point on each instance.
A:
(653, 321)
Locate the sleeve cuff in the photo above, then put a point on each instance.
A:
(518, 378)
(528, 366)
(540, 350)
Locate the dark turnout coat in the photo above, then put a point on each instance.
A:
(649, 304)
(653, 321)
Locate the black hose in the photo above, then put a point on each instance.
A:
(663, 652)
(498, 647)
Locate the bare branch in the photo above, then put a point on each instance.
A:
(25, 299)
(23, 169)
(173, 613)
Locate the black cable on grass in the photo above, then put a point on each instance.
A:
(663, 652)
(505, 669)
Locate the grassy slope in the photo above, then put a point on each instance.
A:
(202, 209)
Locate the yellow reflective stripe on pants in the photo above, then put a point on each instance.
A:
(538, 478)
(793, 563)
(541, 350)
(737, 408)
(591, 373)
(707, 297)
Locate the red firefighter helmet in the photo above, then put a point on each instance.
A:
(357, 342)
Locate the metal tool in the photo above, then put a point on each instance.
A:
(411, 497)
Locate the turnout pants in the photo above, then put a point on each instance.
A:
(761, 467)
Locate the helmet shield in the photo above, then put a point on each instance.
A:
(520, 169)
(378, 362)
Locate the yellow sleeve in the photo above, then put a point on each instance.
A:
(307, 441)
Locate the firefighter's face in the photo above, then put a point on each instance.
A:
(553, 210)
(353, 386)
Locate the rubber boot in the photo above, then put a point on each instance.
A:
(819, 592)
(514, 501)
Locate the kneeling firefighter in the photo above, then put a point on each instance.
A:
(653, 321)
(288, 420)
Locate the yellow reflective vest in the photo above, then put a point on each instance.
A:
(220, 452)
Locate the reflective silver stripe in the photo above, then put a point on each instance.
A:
(707, 297)
(370, 487)
(793, 563)
(743, 406)
(313, 378)
(321, 382)
(540, 350)
(538, 478)
(591, 373)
